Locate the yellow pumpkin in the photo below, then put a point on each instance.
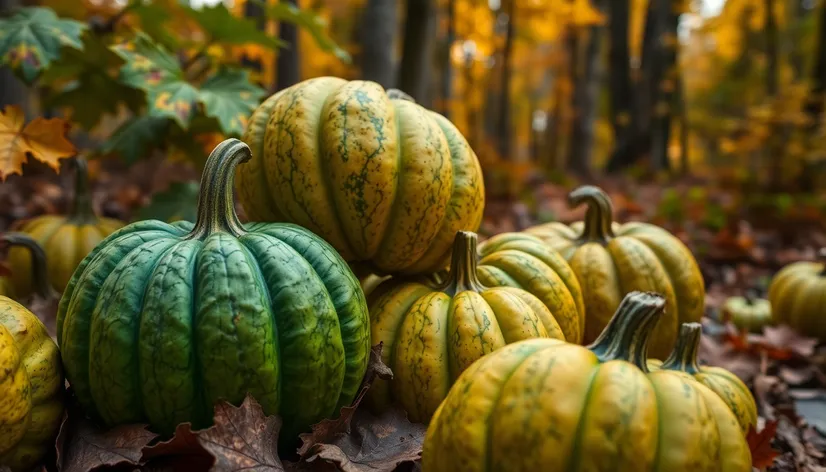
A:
(722, 382)
(611, 260)
(796, 297)
(430, 333)
(546, 405)
(384, 180)
(39, 275)
(66, 239)
(31, 388)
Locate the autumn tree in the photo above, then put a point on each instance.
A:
(378, 42)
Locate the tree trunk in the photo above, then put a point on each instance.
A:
(620, 87)
(419, 27)
(817, 98)
(584, 97)
(682, 112)
(287, 67)
(447, 63)
(378, 41)
(776, 137)
(663, 82)
(504, 122)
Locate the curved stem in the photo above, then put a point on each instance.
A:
(216, 207)
(599, 217)
(684, 355)
(750, 296)
(821, 256)
(40, 273)
(462, 276)
(396, 94)
(82, 210)
(626, 336)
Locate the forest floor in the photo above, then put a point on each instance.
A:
(737, 249)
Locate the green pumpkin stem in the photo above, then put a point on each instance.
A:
(82, 211)
(598, 217)
(216, 206)
(750, 296)
(462, 276)
(821, 255)
(40, 273)
(626, 336)
(684, 355)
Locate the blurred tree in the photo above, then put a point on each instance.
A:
(288, 66)
(419, 32)
(378, 42)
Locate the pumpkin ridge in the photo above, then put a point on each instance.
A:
(575, 456)
(254, 171)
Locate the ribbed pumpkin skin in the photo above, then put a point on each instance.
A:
(611, 260)
(66, 239)
(542, 404)
(162, 320)
(431, 333)
(521, 261)
(796, 297)
(382, 179)
(722, 382)
(748, 313)
(31, 388)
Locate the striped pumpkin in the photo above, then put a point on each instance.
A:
(383, 180)
(796, 297)
(611, 260)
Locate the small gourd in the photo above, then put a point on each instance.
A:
(748, 313)
(797, 298)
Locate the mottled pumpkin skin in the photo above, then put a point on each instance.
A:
(797, 297)
(611, 260)
(522, 261)
(67, 239)
(543, 404)
(431, 333)
(383, 180)
(725, 384)
(162, 320)
(31, 388)
(748, 313)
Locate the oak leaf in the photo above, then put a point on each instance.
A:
(45, 139)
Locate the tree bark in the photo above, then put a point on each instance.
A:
(287, 67)
(447, 63)
(621, 90)
(586, 90)
(420, 24)
(504, 121)
(378, 41)
(664, 81)
(817, 97)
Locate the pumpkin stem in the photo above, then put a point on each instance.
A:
(81, 211)
(396, 94)
(40, 273)
(626, 336)
(684, 355)
(462, 276)
(750, 296)
(821, 256)
(598, 217)
(216, 207)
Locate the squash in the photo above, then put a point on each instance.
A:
(66, 239)
(722, 382)
(523, 261)
(611, 260)
(542, 404)
(796, 297)
(748, 313)
(162, 320)
(385, 181)
(31, 388)
(431, 333)
(39, 272)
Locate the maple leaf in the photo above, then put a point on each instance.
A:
(783, 343)
(230, 97)
(32, 38)
(135, 139)
(183, 448)
(762, 452)
(45, 139)
(224, 27)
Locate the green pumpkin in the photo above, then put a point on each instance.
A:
(796, 296)
(550, 406)
(162, 320)
(748, 313)
(611, 260)
(384, 180)
(722, 382)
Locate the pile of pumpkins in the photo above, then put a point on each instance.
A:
(537, 350)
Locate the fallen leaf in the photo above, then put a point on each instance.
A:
(242, 438)
(762, 452)
(796, 376)
(783, 343)
(742, 364)
(82, 446)
(183, 443)
(45, 139)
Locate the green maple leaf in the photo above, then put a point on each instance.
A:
(153, 19)
(309, 21)
(223, 27)
(230, 97)
(31, 39)
(178, 202)
(136, 138)
(149, 67)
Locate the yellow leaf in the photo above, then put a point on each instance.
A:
(44, 139)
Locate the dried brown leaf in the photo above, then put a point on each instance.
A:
(242, 438)
(184, 444)
(762, 452)
(783, 343)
